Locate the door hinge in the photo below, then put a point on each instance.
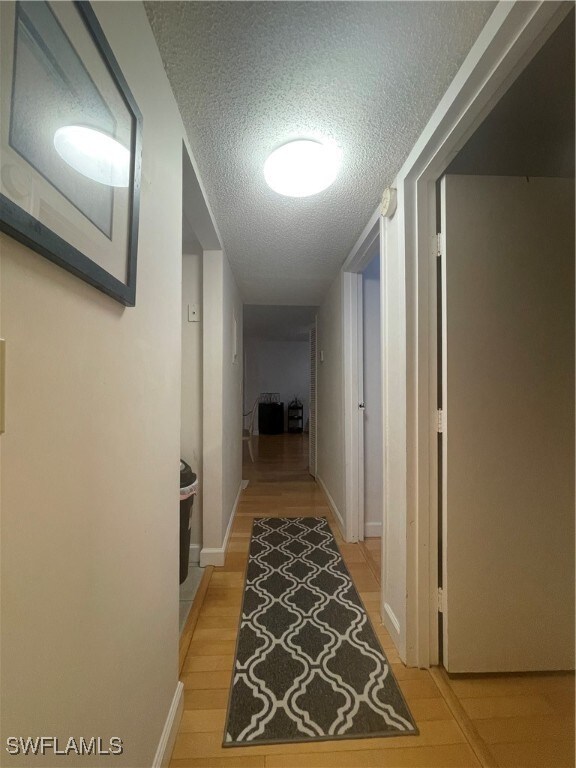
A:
(440, 420)
(441, 605)
(439, 245)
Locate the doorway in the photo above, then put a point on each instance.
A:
(511, 38)
(363, 414)
(506, 351)
(199, 239)
(372, 452)
(191, 385)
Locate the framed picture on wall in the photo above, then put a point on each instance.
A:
(70, 144)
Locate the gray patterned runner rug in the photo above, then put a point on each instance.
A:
(308, 663)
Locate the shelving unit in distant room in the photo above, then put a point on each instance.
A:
(295, 416)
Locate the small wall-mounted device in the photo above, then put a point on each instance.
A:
(193, 314)
(389, 202)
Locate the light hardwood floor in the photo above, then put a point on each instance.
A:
(520, 722)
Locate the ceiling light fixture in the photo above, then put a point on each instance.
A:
(302, 168)
(94, 154)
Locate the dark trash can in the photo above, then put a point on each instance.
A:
(188, 488)
(270, 418)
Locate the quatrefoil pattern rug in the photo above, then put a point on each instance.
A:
(308, 663)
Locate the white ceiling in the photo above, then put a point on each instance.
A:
(249, 77)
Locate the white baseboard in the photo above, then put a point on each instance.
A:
(332, 505)
(217, 555)
(168, 735)
(372, 530)
(194, 553)
(392, 624)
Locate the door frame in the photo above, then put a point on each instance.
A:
(512, 36)
(353, 366)
(313, 400)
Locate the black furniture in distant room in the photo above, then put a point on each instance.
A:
(270, 418)
(295, 416)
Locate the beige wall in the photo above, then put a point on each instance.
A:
(508, 442)
(89, 463)
(191, 433)
(330, 397)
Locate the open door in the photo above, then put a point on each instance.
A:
(372, 397)
(361, 496)
(508, 432)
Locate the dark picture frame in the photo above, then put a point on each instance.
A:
(59, 68)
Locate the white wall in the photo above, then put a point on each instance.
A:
(222, 403)
(330, 470)
(232, 395)
(90, 463)
(191, 432)
(373, 437)
(277, 366)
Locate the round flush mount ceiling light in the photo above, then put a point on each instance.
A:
(302, 168)
(94, 154)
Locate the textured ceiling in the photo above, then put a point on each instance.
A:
(249, 77)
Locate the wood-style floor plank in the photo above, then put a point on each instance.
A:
(445, 756)
(551, 753)
(208, 663)
(524, 729)
(212, 699)
(202, 681)
(507, 706)
(203, 721)
(221, 762)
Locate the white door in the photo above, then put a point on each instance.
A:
(372, 386)
(361, 411)
(508, 441)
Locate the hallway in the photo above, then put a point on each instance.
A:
(532, 713)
